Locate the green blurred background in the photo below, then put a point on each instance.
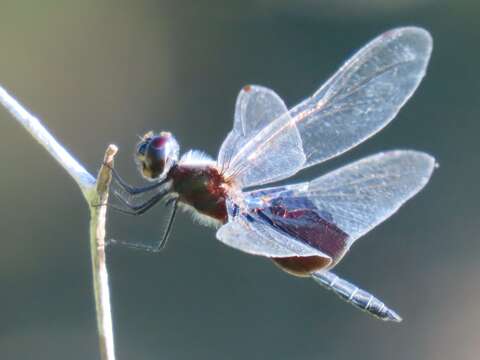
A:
(102, 72)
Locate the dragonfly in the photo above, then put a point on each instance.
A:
(305, 228)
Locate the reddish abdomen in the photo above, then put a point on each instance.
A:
(298, 218)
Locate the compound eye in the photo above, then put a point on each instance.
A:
(156, 155)
(158, 142)
(142, 148)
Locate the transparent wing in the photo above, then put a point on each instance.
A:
(359, 196)
(255, 109)
(355, 103)
(254, 237)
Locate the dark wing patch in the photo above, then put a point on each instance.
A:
(300, 219)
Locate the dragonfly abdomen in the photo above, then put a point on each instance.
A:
(359, 298)
(300, 219)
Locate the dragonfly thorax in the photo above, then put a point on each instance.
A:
(201, 188)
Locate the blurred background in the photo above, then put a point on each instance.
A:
(105, 72)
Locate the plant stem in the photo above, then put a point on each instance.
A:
(99, 266)
(95, 193)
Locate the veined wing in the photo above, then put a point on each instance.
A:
(255, 109)
(355, 103)
(356, 197)
(245, 233)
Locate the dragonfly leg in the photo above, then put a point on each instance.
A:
(356, 296)
(158, 246)
(140, 208)
(132, 190)
(133, 205)
(168, 229)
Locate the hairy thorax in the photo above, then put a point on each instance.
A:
(202, 188)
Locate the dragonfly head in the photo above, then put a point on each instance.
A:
(156, 154)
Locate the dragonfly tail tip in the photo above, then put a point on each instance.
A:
(393, 316)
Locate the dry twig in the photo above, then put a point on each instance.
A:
(95, 192)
